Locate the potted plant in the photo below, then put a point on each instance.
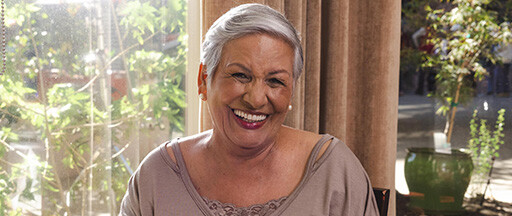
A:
(464, 33)
(484, 145)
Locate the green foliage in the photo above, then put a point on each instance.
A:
(66, 116)
(6, 188)
(484, 144)
(167, 96)
(9, 178)
(464, 35)
(141, 17)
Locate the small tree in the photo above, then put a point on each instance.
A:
(463, 36)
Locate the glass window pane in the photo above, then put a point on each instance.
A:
(91, 87)
(454, 108)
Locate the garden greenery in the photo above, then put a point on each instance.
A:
(484, 145)
(80, 124)
(464, 35)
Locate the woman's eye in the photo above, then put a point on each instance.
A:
(275, 81)
(240, 76)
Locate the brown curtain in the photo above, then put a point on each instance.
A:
(350, 84)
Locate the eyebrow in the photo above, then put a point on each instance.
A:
(239, 65)
(279, 71)
(248, 70)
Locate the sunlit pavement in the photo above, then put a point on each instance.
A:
(417, 122)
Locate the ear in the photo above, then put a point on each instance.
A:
(201, 81)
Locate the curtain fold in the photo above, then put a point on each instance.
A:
(313, 59)
(349, 87)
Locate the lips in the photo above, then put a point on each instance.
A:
(248, 120)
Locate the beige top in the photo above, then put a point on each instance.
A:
(335, 184)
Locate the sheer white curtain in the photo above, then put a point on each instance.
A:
(91, 87)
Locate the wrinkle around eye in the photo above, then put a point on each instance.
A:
(276, 83)
(241, 77)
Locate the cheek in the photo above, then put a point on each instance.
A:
(227, 91)
(281, 99)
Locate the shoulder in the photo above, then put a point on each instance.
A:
(186, 143)
(331, 149)
(157, 173)
(196, 138)
(298, 134)
(304, 141)
(347, 180)
(164, 156)
(340, 168)
(155, 162)
(157, 187)
(154, 174)
(345, 159)
(299, 138)
(347, 188)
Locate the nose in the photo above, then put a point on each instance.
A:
(255, 96)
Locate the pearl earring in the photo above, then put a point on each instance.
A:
(201, 96)
(290, 107)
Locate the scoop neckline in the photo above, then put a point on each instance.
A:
(181, 169)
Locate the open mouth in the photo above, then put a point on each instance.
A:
(250, 118)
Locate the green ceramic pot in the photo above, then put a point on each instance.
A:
(437, 181)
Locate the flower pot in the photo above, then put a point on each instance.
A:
(437, 181)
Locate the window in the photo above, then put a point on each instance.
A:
(91, 87)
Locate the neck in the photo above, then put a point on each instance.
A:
(229, 154)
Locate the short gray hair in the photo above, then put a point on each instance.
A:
(244, 20)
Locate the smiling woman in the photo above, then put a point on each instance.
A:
(250, 163)
(254, 79)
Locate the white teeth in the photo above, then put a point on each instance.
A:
(250, 117)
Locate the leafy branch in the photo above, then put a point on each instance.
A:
(463, 36)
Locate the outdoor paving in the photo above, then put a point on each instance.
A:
(417, 122)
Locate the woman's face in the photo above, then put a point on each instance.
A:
(251, 89)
